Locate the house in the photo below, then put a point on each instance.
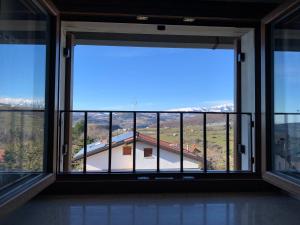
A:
(146, 154)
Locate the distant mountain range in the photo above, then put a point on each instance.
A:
(168, 118)
(38, 103)
(216, 108)
(8, 103)
(125, 120)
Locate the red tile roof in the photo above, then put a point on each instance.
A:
(167, 146)
(171, 147)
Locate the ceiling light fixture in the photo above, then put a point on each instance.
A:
(188, 19)
(142, 18)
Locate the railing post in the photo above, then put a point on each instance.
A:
(157, 141)
(134, 142)
(110, 142)
(181, 142)
(204, 143)
(227, 144)
(59, 138)
(251, 142)
(85, 142)
(67, 139)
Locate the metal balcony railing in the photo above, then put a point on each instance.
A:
(236, 129)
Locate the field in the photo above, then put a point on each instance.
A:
(193, 137)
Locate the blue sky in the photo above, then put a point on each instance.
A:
(22, 71)
(143, 78)
(287, 81)
(140, 78)
(137, 78)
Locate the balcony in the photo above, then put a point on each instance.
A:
(156, 142)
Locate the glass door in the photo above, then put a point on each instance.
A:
(282, 108)
(24, 108)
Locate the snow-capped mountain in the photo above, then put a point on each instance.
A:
(21, 103)
(216, 108)
(222, 108)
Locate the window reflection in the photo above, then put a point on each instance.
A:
(286, 58)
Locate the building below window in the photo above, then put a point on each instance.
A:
(145, 154)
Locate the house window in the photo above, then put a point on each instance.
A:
(126, 150)
(147, 152)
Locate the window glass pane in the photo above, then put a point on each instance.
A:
(152, 78)
(193, 141)
(216, 142)
(169, 145)
(23, 54)
(77, 146)
(98, 142)
(240, 142)
(286, 76)
(121, 74)
(146, 124)
(122, 142)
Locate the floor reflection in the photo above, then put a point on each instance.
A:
(171, 209)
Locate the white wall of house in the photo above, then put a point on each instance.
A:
(120, 162)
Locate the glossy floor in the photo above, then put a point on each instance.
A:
(162, 209)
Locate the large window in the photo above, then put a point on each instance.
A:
(286, 81)
(23, 54)
(178, 95)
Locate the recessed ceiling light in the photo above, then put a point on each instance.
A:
(142, 18)
(188, 19)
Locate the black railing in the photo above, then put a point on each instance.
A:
(66, 147)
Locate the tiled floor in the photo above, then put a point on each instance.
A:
(163, 209)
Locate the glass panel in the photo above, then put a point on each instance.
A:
(21, 145)
(129, 77)
(127, 74)
(77, 151)
(169, 141)
(122, 142)
(240, 147)
(286, 76)
(234, 154)
(23, 54)
(146, 124)
(97, 142)
(216, 142)
(193, 141)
